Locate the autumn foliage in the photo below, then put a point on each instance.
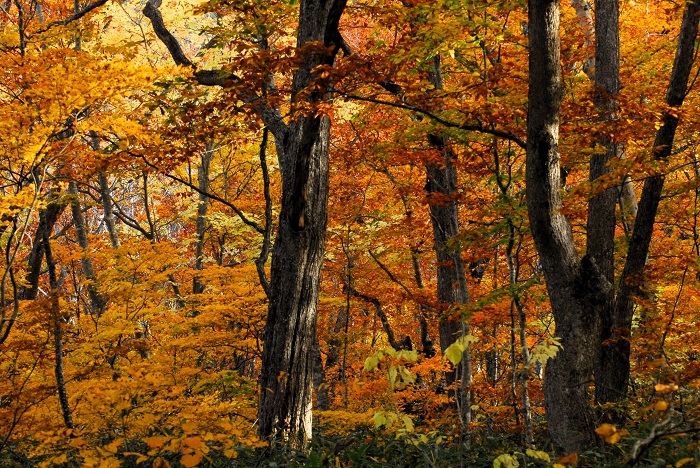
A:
(139, 205)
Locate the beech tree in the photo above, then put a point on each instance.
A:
(580, 289)
(302, 145)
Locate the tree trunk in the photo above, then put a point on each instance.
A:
(614, 373)
(203, 181)
(287, 365)
(574, 286)
(106, 198)
(97, 301)
(58, 333)
(302, 146)
(451, 279)
(601, 208)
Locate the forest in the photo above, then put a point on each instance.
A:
(349, 233)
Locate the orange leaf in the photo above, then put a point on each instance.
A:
(189, 461)
(570, 459)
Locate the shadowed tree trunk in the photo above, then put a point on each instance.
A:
(612, 378)
(573, 285)
(286, 378)
(287, 367)
(451, 278)
(579, 290)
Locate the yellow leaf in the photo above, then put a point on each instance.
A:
(188, 461)
(684, 461)
(537, 454)
(454, 353)
(606, 430)
(663, 388)
(506, 461)
(114, 446)
(661, 405)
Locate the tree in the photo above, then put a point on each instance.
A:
(579, 289)
(302, 150)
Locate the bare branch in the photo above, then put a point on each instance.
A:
(76, 16)
(479, 127)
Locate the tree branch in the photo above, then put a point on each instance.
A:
(271, 117)
(396, 280)
(259, 229)
(505, 134)
(380, 313)
(76, 16)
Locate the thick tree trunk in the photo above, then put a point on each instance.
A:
(287, 366)
(451, 279)
(297, 257)
(601, 208)
(612, 379)
(286, 379)
(574, 286)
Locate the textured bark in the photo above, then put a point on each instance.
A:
(203, 181)
(574, 286)
(287, 366)
(47, 219)
(106, 198)
(613, 376)
(97, 301)
(601, 208)
(451, 279)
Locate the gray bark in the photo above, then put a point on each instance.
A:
(201, 224)
(613, 376)
(574, 286)
(97, 301)
(106, 198)
(287, 366)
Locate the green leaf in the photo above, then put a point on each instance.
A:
(392, 376)
(454, 353)
(371, 363)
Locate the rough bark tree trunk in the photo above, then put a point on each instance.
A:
(451, 279)
(287, 366)
(574, 286)
(612, 378)
(580, 290)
